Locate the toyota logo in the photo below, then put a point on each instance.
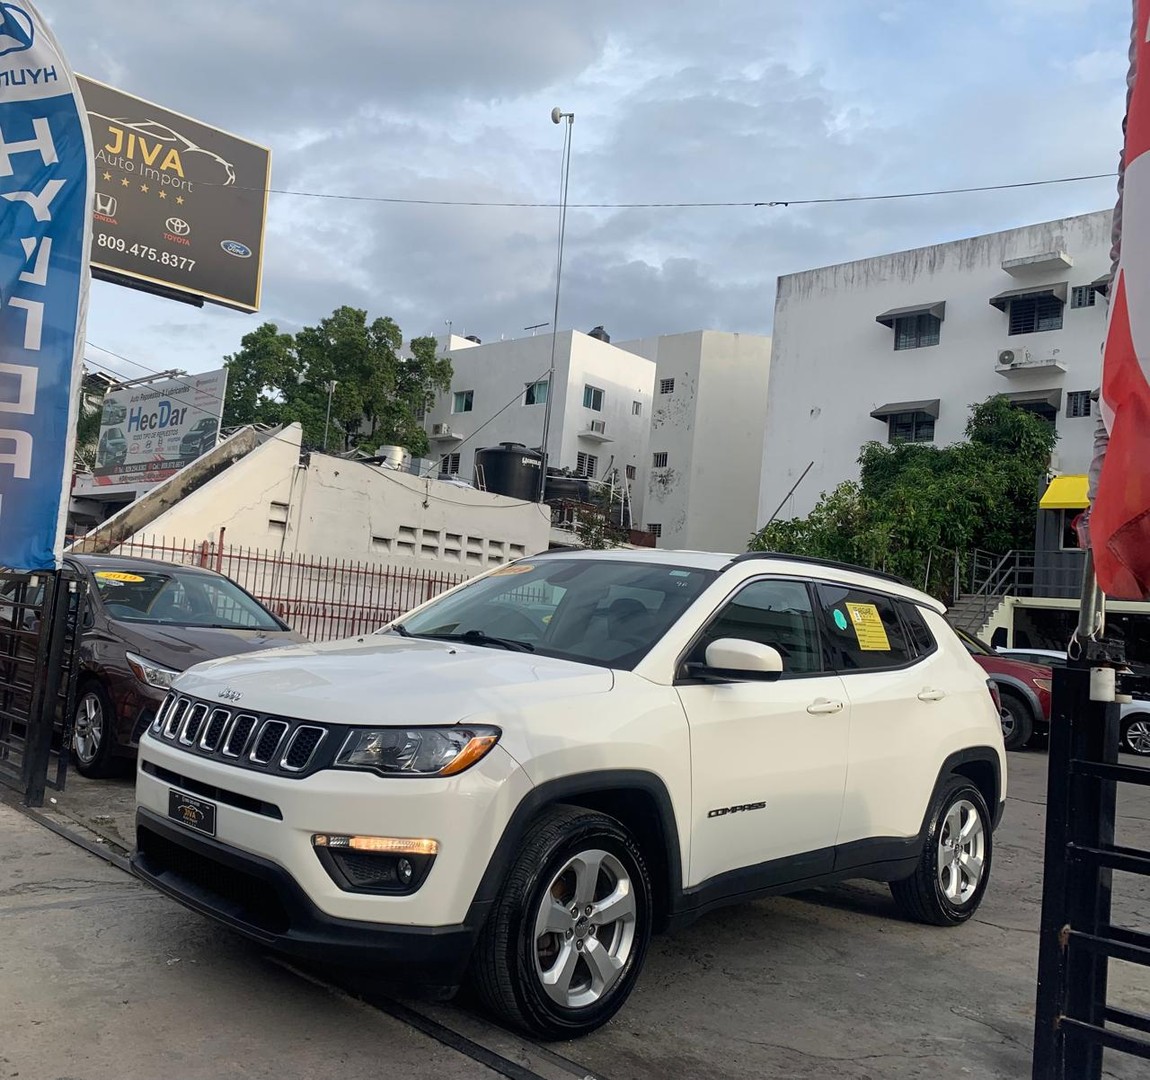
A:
(178, 227)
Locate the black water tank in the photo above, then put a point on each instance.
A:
(566, 488)
(600, 333)
(510, 469)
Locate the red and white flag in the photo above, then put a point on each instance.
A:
(1120, 514)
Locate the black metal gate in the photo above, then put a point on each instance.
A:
(1075, 1022)
(40, 625)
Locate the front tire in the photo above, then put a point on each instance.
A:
(565, 942)
(954, 868)
(1017, 722)
(93, 742)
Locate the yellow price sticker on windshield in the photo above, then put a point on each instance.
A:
(514, 568)
(116, 575)
(868, 628)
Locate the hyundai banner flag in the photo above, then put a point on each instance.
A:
(45, 232)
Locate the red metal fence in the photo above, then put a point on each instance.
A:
(322, 598)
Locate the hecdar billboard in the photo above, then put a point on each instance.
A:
(150, 432)
(179, 205)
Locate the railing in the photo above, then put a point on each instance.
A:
(322, 598)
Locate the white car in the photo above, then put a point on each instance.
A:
(1134, 723)
(524, 778)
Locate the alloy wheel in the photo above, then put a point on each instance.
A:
(88, 732)
(1137, 737)
(585, 929)
(961, 852)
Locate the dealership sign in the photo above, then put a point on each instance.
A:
(179, 206)
(150, 432)
(45, 200)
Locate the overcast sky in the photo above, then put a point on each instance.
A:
(727, 100)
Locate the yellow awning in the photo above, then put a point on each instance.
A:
(1065, 493)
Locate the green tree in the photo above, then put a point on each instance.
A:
(914, 506)
(379, 396)
(88, 420)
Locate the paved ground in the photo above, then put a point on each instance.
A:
(100, 978)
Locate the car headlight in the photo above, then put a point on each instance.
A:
(151, 673)
(1043, 684)
(438, 751)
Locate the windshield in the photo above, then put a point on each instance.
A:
(176, 598)
(605, 612)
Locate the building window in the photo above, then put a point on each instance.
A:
(1030, 314)
(636, 408)
(659, 461)
(449, 464)
(666, 386)
(1078, 404)
(586, 464)
(655, 530)
(1069, 540)
(630, 472)
(592, 398)
(536, 393)
(916, 331)
(1082, 296)
(463, 401)
(911, 427)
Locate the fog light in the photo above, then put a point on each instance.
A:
(405, 871)
(375, 864)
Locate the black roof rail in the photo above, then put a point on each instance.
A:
(811, 560)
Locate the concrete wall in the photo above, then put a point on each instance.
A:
(710, 427)
(832, 364)
(348, 510)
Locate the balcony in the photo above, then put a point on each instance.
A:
(596, 431)
(443, 433)
(1024, 358)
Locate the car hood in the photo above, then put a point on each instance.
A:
(389, 680)
(180, 647)
(1022, 670)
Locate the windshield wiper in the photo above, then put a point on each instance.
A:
(400, 629)
(479, 637)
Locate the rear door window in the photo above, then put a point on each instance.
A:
(864, 629)
(917, 630)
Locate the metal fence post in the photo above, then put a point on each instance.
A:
(42, 715)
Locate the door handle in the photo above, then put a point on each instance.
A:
(822, 706)
(927, 694)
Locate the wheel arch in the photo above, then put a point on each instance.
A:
(980, 765)
(637, 799)
(1027, 693)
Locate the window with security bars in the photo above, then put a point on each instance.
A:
(630, 472)
(1078, 404)
(666, 386)
(636, 408)
(916, 331)
(449, 464)
(655, 530)
(1082, 296)
(659, 461)
(586, 464)
(1031, 314)
(910, 427)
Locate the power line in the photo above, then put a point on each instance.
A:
(717, 204)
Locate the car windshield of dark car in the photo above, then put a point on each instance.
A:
(608, 612)
(973, 645)
(179, 599)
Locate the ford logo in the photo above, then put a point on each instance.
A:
(234, 247)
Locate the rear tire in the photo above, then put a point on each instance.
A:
(1017, 721)
(565, 942)
(953, 870)
(93, 738)
(1136, 735)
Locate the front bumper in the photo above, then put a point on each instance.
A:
(263, 902)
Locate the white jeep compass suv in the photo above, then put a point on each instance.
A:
(524, 778)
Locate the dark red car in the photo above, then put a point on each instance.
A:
(146, 622)
(1023, 688)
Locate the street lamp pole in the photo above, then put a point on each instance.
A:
(557, 117)
(327, 423)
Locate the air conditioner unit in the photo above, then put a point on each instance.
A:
(1012, 357)
(598, 426)
(440, 429)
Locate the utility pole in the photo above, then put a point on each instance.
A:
(330, 387)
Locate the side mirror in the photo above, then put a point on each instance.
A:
(734, 658)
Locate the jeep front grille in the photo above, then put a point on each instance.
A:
(272, 744)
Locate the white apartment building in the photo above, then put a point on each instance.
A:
(900, 346)
(701, 477)
(600, 415)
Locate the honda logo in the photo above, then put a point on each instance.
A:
(178, 227)
(106, 204)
